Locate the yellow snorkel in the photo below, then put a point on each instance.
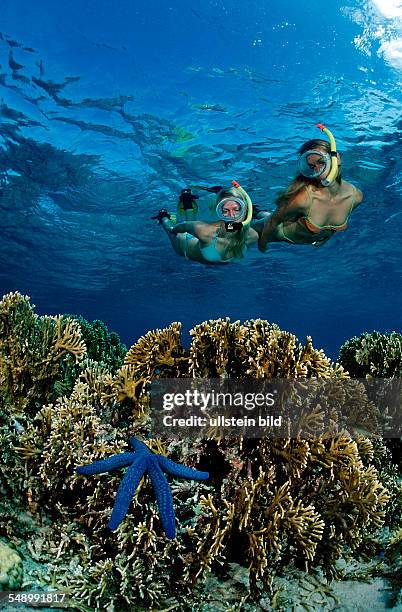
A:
(248, 201)
(333, 173)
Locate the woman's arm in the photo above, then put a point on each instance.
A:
(199, 229)
(291, 210)
(358, 199)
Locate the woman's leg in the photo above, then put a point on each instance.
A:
(267, 234)
(264, 214)
(261, 227)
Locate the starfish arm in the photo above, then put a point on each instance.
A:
(163, 498)
(105, 465)
(140, 447)
(126, 490)
(181, 471)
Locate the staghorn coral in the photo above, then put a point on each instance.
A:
(102, 348)
(126, 387)
(302, 518)
(210, 348)
(157, 353)
(273, 353)
(268, 503)
(31, 351)
(377, 354)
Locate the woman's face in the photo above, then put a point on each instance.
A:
(316, 163)
(231, 209)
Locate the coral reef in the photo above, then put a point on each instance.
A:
(31, 351)
(269, 504)
(11, 573)
(376, 354)
(103, 351)
(379, 355)
(102, 346)
(158, 353)
(140, 461)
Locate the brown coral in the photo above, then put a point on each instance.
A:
(31, 350)
(157, 353)
(268, 502)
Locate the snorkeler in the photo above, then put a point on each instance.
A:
(316, 204)
(217, 242)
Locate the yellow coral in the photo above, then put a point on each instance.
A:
(209, 351)
(362, 488)
(125, 385)
(158, 350)
(67, 338)
(295, 454)
(306, 526)
(211, 545)
(306, 498)
(31, 350)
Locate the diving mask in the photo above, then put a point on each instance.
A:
(314, 163)
(231, 209)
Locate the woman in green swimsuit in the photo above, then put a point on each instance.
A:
(317, 203)
(222, 241)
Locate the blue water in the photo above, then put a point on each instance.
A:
(108, 109)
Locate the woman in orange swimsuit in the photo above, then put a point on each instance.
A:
(317, 203)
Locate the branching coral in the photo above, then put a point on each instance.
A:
(217, 526)
(103, 347)
(104, 352)
(268, 503)
(377, 354)
(211, 347)
(274, 353)
(158, 353)
(31, 351)
(327, 499)
(126, 385)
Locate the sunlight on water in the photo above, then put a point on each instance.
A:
(90, 151)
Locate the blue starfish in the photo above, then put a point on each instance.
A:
(141, 461)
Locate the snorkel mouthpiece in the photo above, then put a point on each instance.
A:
(334, 156)
(233, 226)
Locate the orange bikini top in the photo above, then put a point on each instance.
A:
(314, 228)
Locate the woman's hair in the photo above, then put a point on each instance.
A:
(238, 245)
(301, 181)
(227, 193)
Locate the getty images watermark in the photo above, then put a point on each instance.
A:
(204, 409)
(277, 407)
